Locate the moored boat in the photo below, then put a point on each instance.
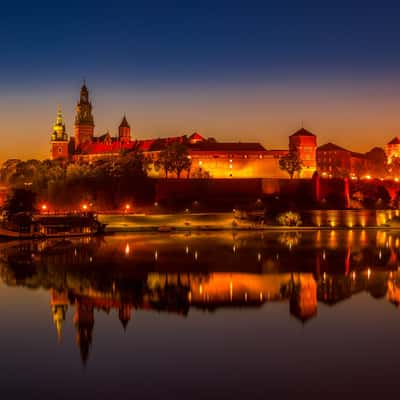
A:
(28, 226)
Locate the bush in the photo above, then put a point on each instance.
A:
(289, 218)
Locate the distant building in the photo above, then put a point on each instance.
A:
(336, 161)
(304, 144)
(59, 138)
(218, 159)
(393, 149)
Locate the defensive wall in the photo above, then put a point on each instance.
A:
(335, 189)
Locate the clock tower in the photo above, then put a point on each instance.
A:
(84, 123)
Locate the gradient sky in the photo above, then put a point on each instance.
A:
(234, 70)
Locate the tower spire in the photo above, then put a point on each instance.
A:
(84, 122)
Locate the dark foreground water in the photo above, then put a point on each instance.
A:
(224, 316)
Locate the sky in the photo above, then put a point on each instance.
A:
(233, 70)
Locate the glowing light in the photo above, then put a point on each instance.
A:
(84, 207)
(367, 177)
(201, 289)
(261, 296)
(127, 249)
(195, 255)
(187, 249)
(127, 207)
(156, 255)
(259, 256)
(368, 273)
(44, 207)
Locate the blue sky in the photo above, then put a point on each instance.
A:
(240, 55)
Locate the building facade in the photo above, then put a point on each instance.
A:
(393, 149)
(208, 156)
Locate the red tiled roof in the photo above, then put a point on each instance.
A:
(303, 132)
(196, 136)
(106, 144)
(226, 146)
(331, 147)
(395, 141)
(124, 123)
(97, 147)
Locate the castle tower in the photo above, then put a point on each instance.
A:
(124, 314)
(84, 322)
(393, 149)
(84, 123)
(124, 131)
(59, 307)
(59, 139)
(304, 144)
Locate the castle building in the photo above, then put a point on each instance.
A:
(217, 159)
(59, 139)
(59, 306)
(84, 122)
(393, 149)
(338, 162)
(303, 143)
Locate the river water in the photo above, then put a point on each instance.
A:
(212, 315)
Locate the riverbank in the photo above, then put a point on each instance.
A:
(326, 219)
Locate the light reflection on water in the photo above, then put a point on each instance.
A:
(206, 295)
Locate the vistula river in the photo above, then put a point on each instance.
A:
(217, 315)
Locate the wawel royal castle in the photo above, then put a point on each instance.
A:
(219, 159)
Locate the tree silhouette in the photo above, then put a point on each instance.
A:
(291, 164)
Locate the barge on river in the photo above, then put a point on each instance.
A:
(31, 226)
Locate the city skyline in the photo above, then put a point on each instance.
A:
(163, 125)
(227, 71)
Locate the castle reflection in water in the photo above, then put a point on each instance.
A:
(174, 273)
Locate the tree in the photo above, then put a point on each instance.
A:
(181, 162)
(20, 200)
(291, 164)
(174, 158)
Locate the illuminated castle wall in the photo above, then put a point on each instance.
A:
(218, 159)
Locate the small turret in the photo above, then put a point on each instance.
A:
(59, 138)
(124, 131)
(124, 314)
(59, 307)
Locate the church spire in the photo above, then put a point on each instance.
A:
(59, 132)
(124, 131)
